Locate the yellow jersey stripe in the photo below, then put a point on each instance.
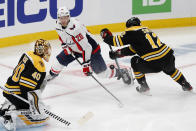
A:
(140, 76)
(120, 40)
(23, 84)
(29, 80)
(158, 57)
(12, 87)
(174, 73)
(114, 41)
(155, 52)
(136, 73)
(132, 49)
(134, 28)
(15, 92)
(178, 77)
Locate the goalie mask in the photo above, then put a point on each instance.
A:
(43, 49)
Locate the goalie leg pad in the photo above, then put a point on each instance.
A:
(36, 106)
(23, 119)
(26, 121)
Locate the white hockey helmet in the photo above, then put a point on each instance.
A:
(63, 11)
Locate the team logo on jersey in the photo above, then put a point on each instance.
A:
(72, 27)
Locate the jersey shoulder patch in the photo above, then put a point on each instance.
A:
(73, 27)
(37, 61)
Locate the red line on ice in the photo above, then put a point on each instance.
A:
(76, 91)
(6, 66)
(79, 73)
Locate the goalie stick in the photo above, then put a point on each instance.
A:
(67, 123)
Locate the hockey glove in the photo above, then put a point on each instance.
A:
(105, 33)
(66, 49)
(87, 68)
(117, 54)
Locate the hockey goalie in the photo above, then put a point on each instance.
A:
(27, 82)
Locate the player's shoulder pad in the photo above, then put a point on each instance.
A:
(74, 27)
(135, 28)
(24, 58)
(37, 61)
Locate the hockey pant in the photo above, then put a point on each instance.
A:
(167, 65)
(97, 63)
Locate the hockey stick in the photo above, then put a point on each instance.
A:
(83, 120)
(124, 76)
(119, 102)
(116, 61)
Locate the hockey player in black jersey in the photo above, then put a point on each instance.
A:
(27, 81)
(152, 55)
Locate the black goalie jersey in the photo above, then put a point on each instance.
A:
(28, 75)
(142, 41)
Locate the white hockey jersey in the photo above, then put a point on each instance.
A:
(77, 38)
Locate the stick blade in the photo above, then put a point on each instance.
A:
(85, 118)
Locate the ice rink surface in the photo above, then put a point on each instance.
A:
(71, 95)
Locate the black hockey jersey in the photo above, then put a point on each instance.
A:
(142, 41)
(28, 75)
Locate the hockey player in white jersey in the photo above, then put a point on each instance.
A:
(78, 42)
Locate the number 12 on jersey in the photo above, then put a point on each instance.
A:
(153, 40)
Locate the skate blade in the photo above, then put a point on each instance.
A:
(147, 93)
(191, 92)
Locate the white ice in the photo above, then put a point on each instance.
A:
(71, 95)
